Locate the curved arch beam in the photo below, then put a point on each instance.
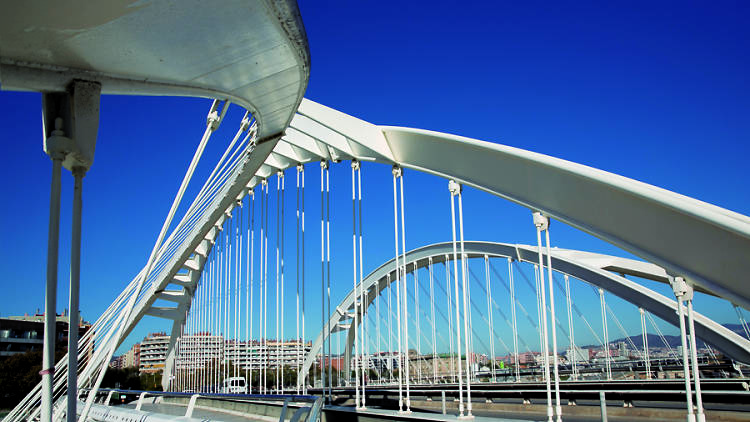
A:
(563, 261)
(264, 63)
(657, 225)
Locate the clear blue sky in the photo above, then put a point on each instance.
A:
(655, 92)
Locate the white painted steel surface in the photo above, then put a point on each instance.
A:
(659, 226)
(253, 53)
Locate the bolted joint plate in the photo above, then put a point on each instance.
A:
(71, 124)
(540, 221)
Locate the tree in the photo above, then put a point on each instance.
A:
(19, 374)
(125, 378)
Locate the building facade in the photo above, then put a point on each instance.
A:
(153, 353)
(199, 350)
(132, 358)
(21, 334)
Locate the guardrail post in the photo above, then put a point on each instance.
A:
(109, 396)
(191, 405)
(603, 406)
(282, 417)
(314, 415)
(442, 393)
(140, 400)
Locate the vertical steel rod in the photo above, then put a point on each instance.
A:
(404, 292)
(490, 329)
(517, 364)
(540, 223)
(606, 335)
(328, 274)
(686, 368)
(397, 173)
(644, 333)
(432, 318)
(454, 190)
(553, 321)
(573, 349)
(363, 335)
(75, 278)
(50, 300)
(354, 291)
(466, 300)
(304, 377)
(296, 318)
(700, 415)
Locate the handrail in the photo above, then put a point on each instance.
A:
(312, 413)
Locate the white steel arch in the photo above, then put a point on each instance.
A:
(657, 225)
(592, 268)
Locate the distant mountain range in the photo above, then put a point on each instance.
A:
(655, 341)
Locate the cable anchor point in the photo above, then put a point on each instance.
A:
(540, 221)
(454, 187)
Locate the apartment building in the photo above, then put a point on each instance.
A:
(153, 353)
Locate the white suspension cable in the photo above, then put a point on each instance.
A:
(432, 319)
(396, 171)
(404, 292)
(251, 259)
(541, 223)
(50, 300)
(328, 275)
(302, 170)
(283, 304)
(248, 289)
(490, 328)
(415, 275)
(682, 291)
(75, 278)
(622, 329)
(455, 189)
(661, 336)
(558, 408)
(743, 321)
(571, 337)
(323, 322)
(644, 334)
(449, 299)
(390, 332)
(363, 335)
(228, 301)
(378, 346)
(517, 364)
(606, 334)
(236, 293)
(296, 318)
(266, 347)
(355, 166)
(278, 291)
(213, 122)
(262, 292)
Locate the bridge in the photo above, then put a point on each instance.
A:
(461, 328)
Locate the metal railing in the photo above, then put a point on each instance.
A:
(303, 408)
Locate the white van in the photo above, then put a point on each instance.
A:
(234, 385)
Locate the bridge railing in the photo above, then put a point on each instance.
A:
(285, 407)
